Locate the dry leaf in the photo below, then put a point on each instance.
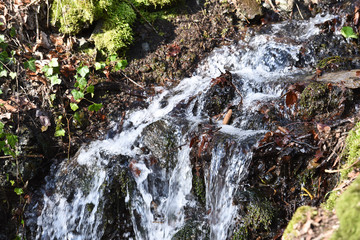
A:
(291, 98)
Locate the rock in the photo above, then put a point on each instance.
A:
(160, 137)
(319, 98)
(247, 9)
(349, 79)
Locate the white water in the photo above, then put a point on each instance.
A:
(256, 62)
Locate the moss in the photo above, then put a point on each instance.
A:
(317, 99)
(155, 3)
(116, 16)
(352, 151)
(299, 217)
(192, 231)
(330, 202)
(199, 188)
(259, 215)
(72, 15)
(334, 63)
(348, 210)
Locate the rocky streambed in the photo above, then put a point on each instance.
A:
(170, 167)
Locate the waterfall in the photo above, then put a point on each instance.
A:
(73, 200)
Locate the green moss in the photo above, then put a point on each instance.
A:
(155, 3)
(116, 16)
(73, 15)
(352, 151)
(328, 61)
(348, 210)
(317, 99)
(199, 188)
(299, 217)
(330, 202)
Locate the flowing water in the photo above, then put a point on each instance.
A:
(162, 201)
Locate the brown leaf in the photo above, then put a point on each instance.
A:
(291, 98)
(194, 140)
(173, 50)
(323, 128)
(136, 171)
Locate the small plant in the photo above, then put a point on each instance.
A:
(7, 142)
(6, 60)
(82, 87)
(51, 71)
(348, 32)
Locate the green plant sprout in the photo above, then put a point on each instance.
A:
(348, 32)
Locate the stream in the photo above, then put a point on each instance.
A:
(141, 183)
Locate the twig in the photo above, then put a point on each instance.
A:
(306, 144)
(297, 6)
(339, 170)
(132, 80)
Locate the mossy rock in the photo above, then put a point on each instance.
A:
(255, 216)
(300, 217)
(320, 98)
(192, 231)
(348, 210)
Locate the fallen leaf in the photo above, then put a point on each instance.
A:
(173, 50)
(291, 98)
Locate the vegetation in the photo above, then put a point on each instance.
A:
(113, 19)
(299, 217)
(348, 209)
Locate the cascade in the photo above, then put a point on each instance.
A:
(154, 149)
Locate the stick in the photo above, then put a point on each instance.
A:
(227, 117)
(339, 170)
(132, 81)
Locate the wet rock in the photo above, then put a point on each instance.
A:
(255, 216)
(221, 93)
(160, 137)
(117, 194)
(192, 231)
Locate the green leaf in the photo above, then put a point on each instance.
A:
(74, 106)
(54, 63)
(113, 58)
(52, 97)
(348, 32)
(11, 140)
(12, 32)
(77, 117)
(2, 38)
(83, 71)
(77, 94)
(95, 107)
(12, 182)
(90, 89)
(60, 133)
(54, 80)
(82, 82)
(18, 191)
(2, 125)
(31, 65)
(1, 92)
(120, 65)
(99, 65)
(48, 71)
(3, 73)
(12, 75)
